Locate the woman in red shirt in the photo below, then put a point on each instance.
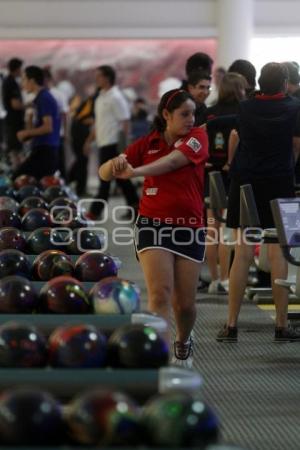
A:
(170, 239)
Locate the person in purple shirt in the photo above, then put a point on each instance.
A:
(44, 134)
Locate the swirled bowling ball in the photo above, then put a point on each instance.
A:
(22, 346)
(17, 295)
(7, 191)
(9, 218)
(29, 416)
(85, 239)
(14, 262)
(113, 295)
(176, 419)
(77, 346)
(50, 264)
(5, 181)
(12, 238)
(46, 238)
(24, 180)
(31, 203)
(36, 218)
(137, 346)
(95, 265)
(27, 191)
(64, 295)
(51, 180)
(104, 418)
(8, 203)
(53, 192)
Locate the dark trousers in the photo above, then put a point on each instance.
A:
(105, 153)
(79, 169)
(42, 161)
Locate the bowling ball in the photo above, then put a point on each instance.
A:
(104, 418)
(176, 419)
(36, 218)
(137, 346)
(85, 239)
(5, 181)
(94, 265)
(24, 180)
(77, 346)
(7, 191)
(22, 346)
(51, 180)
(17, 295)
(8, 203)
(14, 262)
(30, 203)
(64, 295)
(46, 238)
(9, 218)
(113, 295)
(12, 238)
(63, 201)
(53, 192)
(27, 191)
(50, 264)
(29, 416)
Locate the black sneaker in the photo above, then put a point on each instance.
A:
(183, 354)
(286, 335)
(228, 334)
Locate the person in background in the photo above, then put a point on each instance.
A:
(44, 133)
(139, 119)
(217, 77)
(247, 69)
(264, 158)
(232, 90)
(169, 229)
(112, 117)
(14, 106)
(63, 108)
(198, 85)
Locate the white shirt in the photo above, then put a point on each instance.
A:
(111, 108)
(62, 104)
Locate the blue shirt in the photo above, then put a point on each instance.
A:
(46, 105)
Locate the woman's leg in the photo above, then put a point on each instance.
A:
(186, 277)
(158, 268)
(279, 269)
(238, 277)
(212, 240)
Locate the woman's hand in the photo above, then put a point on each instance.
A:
(121, 167)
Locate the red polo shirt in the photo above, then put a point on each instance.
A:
(175, 197)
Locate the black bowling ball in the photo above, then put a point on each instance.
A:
(17, 295)
(14, 262)
(12, 238)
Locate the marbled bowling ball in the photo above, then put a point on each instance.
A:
(50, 264)
(14, 262)
(46, 238)
(51, 180)
(137, 346)
(12, 238)
(36, 218)
(5, 181)
(31, 203)
(53, 192)
(7, 191)
(85, 239)
(17, 295)
(176, 419)
(9, 218)
(113, 295)
(77, 346)
(24, 180)
(29, 416)
(8, 203)
(22, 346)
(64, 295)
(27, 191)
(104, 418)
(95, 265)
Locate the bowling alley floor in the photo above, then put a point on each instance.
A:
(253, 385)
